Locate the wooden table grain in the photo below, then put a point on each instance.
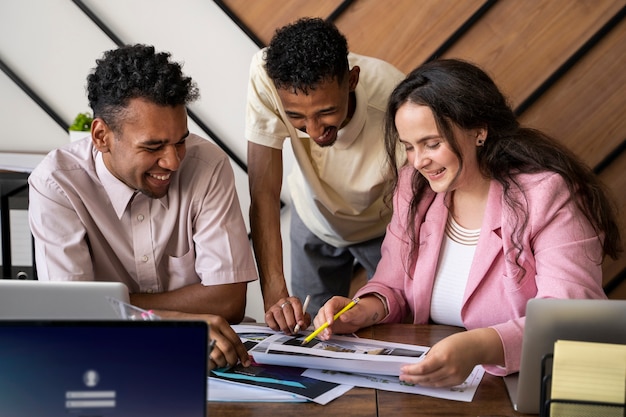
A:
(491, 399)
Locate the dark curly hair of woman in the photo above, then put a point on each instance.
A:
(460, 93)
(305, 53)
(136, 71)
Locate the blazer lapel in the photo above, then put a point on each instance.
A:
(490, 241)
(431, 236)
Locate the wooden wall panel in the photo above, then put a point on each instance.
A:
(615, 179)
(263, 17)
(407, 32)
(585, 109)
(520, 43)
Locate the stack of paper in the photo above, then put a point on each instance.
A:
(340, 353)
(585, 371)
(462, 392)
(223, 390)
(283, 375)
(268, 383)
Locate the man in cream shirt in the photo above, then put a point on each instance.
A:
(330, 104)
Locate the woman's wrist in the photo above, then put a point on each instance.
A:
(489, 349)
(379, 307)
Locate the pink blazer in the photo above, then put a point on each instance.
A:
(561, 258)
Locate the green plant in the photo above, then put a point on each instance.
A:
(82, 122)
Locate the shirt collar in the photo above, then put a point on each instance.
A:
(120, 195)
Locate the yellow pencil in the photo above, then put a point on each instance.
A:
(325, 325)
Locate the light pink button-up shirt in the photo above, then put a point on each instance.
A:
(88, 225)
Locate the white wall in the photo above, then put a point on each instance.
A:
(52, 45)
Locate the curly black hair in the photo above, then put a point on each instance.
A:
(305, 53)
(136, 71)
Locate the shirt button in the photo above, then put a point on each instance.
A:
(140, 217)
(144, 258)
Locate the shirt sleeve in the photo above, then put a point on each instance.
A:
(223, 252)
(61, 249)
(264, 123)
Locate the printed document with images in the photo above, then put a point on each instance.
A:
(340, 353)
(226, 391)
(262, 382)
(462, 392)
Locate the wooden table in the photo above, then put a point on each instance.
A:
(491, 399)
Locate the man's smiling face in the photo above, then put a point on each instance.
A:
(148, 146)
(322, 111)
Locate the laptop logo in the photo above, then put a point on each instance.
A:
(90, 401)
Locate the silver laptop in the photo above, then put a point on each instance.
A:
(100, 368)
(22, 299)
(548, 320)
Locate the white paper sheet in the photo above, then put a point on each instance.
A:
(218, 390)
(464, 392)
(340, 353)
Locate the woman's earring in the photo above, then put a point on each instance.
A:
(480, 142)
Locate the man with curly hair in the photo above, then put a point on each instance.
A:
(306, 87)
(146, 203)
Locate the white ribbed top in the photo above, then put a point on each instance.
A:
(455, 260)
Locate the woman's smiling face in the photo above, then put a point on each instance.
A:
(430, 153)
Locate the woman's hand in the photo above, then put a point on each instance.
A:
(450, 361)
(368, 311)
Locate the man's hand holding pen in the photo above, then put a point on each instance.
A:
(286, 314)
(227, 348)
(307, 300)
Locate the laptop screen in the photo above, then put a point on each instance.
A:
(22, 299)
(98, 368)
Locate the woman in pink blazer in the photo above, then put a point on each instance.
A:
(487, 215)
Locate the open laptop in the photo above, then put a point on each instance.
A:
(548, 320)
(99, 368)
(23, 299)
